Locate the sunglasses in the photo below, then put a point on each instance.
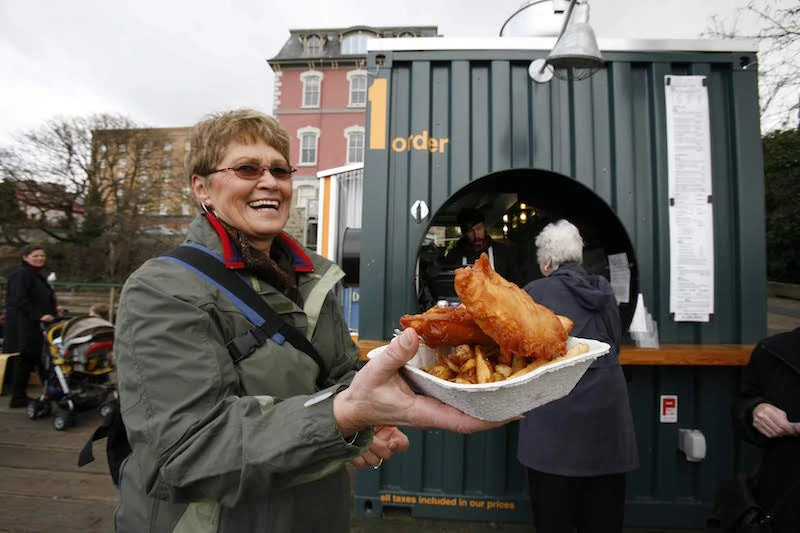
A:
(250, 172)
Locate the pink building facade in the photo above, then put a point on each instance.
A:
(320, 97)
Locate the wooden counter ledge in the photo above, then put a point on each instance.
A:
(667, 354)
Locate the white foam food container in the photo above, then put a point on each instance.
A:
(501, 400)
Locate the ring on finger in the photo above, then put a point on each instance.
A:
(377, 466)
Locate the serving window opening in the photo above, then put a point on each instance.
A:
(516, 205)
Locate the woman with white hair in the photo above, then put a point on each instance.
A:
(578, 449)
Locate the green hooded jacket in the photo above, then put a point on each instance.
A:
(227, 448)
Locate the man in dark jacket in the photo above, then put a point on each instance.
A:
(474, 241)
(578, 449)
(30, 302)
(767, 414)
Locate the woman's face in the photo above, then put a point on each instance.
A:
(36, 258)
(259, 207)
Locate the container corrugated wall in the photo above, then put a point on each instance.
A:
(609, 134)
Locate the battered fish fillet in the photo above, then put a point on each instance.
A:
(439, 326)
(509, 315)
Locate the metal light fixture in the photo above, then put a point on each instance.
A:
(575, 55)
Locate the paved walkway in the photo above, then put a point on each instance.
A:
(43, 491)
(783, 314)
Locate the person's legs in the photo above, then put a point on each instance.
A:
(602, 504)
(553, 502)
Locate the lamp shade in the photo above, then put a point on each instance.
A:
(577, 48)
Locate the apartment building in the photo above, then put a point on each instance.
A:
(145, 166)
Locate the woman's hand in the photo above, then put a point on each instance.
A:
(387, 441)
(379, 396)
(46, 319)
(772, 422)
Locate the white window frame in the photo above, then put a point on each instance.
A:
(352, 76)
(355, 43)
(305, 78)
(301, 133)
(348, 134)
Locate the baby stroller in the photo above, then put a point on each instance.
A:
(77, 367)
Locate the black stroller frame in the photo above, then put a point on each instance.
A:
(76, 369)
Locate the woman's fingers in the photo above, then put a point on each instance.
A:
(393, 439)
(431, 413)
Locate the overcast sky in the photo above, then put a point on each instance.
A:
(167, 63)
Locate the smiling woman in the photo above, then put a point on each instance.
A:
(230, 439)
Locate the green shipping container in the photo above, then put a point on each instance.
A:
(452, 123)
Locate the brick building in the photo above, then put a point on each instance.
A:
(320, 96)
(147, 162)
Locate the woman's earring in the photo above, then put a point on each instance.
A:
(204, 207)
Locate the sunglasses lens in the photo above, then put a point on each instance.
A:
(248, 171)
(279, 172)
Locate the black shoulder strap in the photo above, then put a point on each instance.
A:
(269, 325)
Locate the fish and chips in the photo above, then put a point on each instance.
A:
(497, 333)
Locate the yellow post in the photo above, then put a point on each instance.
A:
(3, 362)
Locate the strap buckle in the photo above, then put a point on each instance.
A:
(242, 346)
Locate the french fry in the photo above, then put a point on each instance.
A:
(445, 360)
(532, 366)
(466, 367)
(440, 371)
(467, 364)
(578, 349)
(503, 370)
(462, 354)
(469, 376)
(482, 368)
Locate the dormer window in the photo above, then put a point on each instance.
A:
(356, 43)
(313, 46)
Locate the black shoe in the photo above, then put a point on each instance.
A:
(19, 402)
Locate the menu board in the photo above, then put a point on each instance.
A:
(691, 224)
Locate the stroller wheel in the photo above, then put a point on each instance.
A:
(37, 409)
(64, 420)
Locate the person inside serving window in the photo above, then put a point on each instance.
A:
(475, 241)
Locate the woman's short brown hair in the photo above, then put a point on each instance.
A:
(210, 137)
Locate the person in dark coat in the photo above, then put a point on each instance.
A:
(767, 414)
(474, 241)
(578, 449)
(30, 303)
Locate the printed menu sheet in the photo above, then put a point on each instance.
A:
(620, 276)
(691, 223)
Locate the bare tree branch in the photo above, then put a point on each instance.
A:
(776, 26)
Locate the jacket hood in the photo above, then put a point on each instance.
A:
(591, 292)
